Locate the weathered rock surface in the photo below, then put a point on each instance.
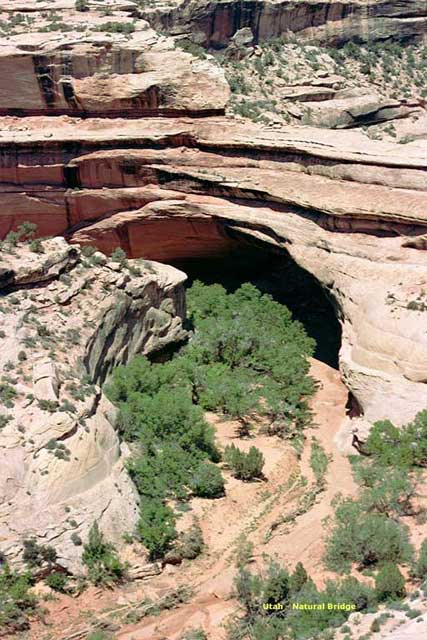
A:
(103, 75)
(347, 209)
(66, 321)
(327, 22)
(352, 109)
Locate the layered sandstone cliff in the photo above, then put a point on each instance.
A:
(102, 74)
(214, 23)
(66, 321)
(352, 212)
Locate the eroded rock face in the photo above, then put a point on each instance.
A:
(106, 75)
(215, 23)
(67, 321)
(346, 209)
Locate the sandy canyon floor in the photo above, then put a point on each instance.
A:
(249, 511)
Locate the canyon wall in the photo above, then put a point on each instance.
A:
(325, 21)
(66, 322)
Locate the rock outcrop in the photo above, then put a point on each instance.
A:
(66, 321)
(101, 74)
(350, 211)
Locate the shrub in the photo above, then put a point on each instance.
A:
(194, 634)
(16, 601)
(88, 250)
(244, 466)
(298, 579)
(27, 230)
(191, 542)
(36, 246)
(190, 47)
(420, 567)
(7, 394)
(100, 635)
(119, 256)
(365, 538)
(156, 527)
(244, 552)
(375, 626)
(82, 5)
(389, 583)
(35, 555)
(405, 447)
(318, 461)
(384, 489)
(207, 481)
(76, 539)
(116, 27)
(48, 405)
(100, 558)
(4, 419)
(231, 392)
(57, 581)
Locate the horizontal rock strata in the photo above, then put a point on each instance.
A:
(346, 209)
(100, 75)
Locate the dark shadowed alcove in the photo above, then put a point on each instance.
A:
(277, 274)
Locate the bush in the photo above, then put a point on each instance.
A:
(375, 626)
(156, 527)
(7, 394)
(35, 555)
(194, 634)
(82, 5)
(244, 466)
(116, 27)
(318, 462)
(88, 250)
(16, 601)
(119, 256)
(389, 583)
(191, 542)
(57, 581)
(27, 230)
(103, 564)
(207, 481)
(298, 579)
(365, 538)
(420, 567)
(76, 539)
(403, 447)
(231, 392)
(36, 246)
(384, 489)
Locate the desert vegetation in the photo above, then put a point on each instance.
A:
(370, 531)
(101, 562)
(267, 86)
(231, 366)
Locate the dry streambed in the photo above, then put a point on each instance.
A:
(261, 512)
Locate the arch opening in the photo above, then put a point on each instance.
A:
(274, 272)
